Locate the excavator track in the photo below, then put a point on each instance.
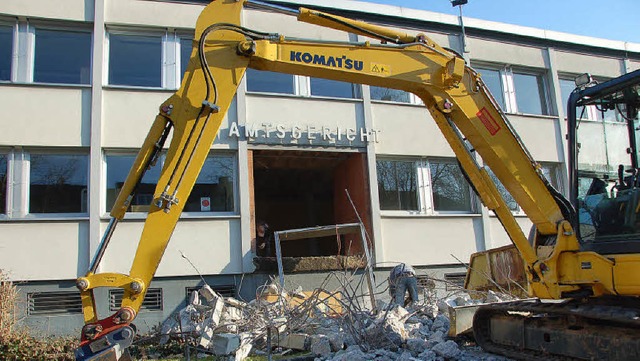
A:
(569, 330)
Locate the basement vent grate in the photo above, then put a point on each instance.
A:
(425, 282)
(455, 281)
(53, 303)
(152, 300)
(223, 290)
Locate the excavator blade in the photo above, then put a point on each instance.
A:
(110, 347)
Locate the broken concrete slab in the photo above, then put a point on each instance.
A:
(224, 343)
(447, 349)
(320, 345)
(295, 341)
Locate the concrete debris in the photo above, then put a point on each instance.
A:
(225, 344)
(334, 325)
(320, 345)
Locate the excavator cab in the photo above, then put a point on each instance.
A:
(604, 176)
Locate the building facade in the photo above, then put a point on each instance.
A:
(81, 82)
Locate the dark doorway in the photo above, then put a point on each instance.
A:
(299, 189)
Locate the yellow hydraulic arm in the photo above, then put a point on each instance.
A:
(453, 93)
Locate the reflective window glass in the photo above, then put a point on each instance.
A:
(6, 49)
(386, 94)
(213, 191)
(397, 185)
(58, 183)
(332, 88)
(269, 82)
(566, 88)
(3, 183)
(450, 189)
(530, 94)
(135, 60)
(118, 167)
(62, 57)
(493, 80)
(186, 45)
(508, 198)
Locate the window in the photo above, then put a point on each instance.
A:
(530, 93)
(6, 49)
(425, 186)
(3, 183)
(62, 57)
(58, 183)
(493, 80)
(332, 88)
(397, 185)
(516, 91)
(135, 60)
(118, 167)
(551, 173)
(449, 187)
(566, 88)
(186, 45)
(269, 82)
(590, 112)
(213, 191)
(392, 95)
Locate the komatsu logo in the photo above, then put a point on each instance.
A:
(332, 61)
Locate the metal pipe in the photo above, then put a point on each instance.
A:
(103, 245)
(276, 8)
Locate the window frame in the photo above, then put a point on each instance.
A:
(26, 211)
(355, 88)
(179, 36)
(413, 99)
(507, 76)
(163, 33)
(545, 96)
(556, 181)
(9, 186)
(424, 189)
(13, 71)
(592, 112)
(34, 25)
(143, 214)
(298, 85)
(24, 48)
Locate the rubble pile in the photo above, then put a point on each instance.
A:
(336, 326)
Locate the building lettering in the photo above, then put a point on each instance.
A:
(293, 133)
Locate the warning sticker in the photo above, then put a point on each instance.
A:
(489, 122)
(382, 69)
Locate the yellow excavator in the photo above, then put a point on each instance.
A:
(595, 311)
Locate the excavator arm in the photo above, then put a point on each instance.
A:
(455, 95)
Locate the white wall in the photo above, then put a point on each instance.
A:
(428, 240)
(498, 236)
(214, 247)
(408, 130)
(506, 53)
(581, 63)
(76, 10)
(152, 13)
(38, 250)
(289, 26)
(540, 135)
(45, 116)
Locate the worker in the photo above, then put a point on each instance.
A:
(402, 278)
(263, 240)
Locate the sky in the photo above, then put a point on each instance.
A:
(607, 19)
